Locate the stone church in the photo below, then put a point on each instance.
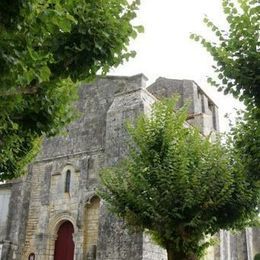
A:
(53, 212)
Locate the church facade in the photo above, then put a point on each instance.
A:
(53, 212)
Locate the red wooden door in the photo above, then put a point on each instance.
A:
(64, 245)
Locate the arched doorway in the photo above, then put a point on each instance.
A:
(64, 245)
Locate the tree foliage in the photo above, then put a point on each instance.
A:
(245, 138)
(177, 185)
(46, 47)
(237, 51)
(237, 56)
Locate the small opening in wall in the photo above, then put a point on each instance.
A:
(67, 181)
(210, 106)
(202, 104)
(201, 100)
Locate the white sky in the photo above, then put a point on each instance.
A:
(165, 49)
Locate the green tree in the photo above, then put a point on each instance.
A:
(237, 56)
(257, 257)
(46, 48)
(177, 185)
(236, 51)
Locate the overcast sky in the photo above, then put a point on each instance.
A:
(164, 49)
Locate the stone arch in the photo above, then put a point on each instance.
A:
(68, 166)
(89, 197)
(91, 227)
(54, 225)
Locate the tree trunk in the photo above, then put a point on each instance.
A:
(173, 255)
(170, 254)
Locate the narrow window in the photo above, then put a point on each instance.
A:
(214, 118)
(67, 181)
(202, 104)
(210, 105)
(201, 99)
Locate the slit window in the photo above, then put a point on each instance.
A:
(67, 181)
(202, 104)
(201, 99)
(214, 119)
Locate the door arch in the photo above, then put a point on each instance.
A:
(64, 245)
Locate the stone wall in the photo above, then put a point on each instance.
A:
(85, 148)
(152, 251)
(116, 242)
(39, 202)
(203, 112)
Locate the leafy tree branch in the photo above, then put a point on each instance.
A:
(46, 49)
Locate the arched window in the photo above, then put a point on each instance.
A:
(67, 181)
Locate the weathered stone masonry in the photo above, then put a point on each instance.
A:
(38, 204)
